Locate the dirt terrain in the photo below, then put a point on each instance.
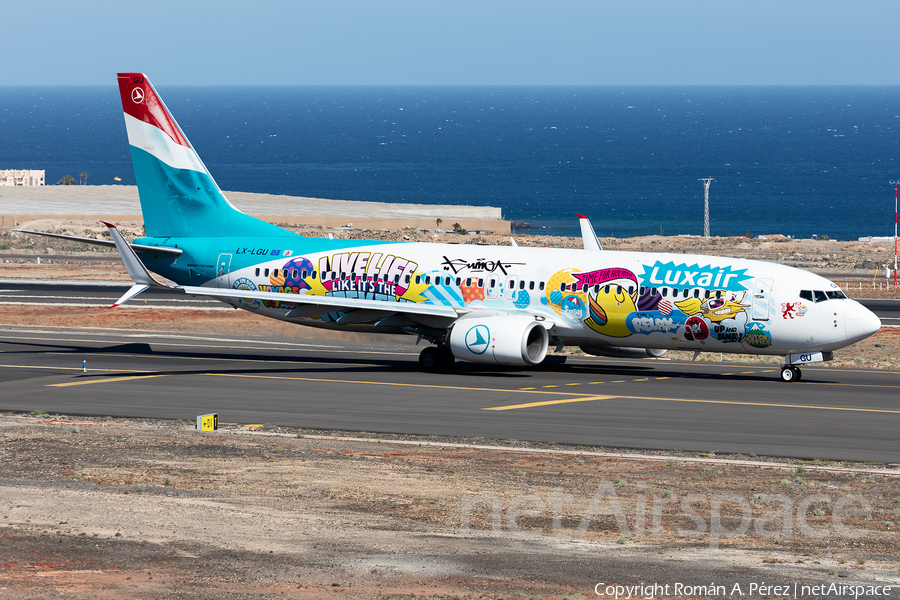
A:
(102, 508)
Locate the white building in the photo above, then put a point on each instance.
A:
(21, 177)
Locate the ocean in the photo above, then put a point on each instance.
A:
(792, 160)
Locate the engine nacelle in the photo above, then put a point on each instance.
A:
(622, 352)
(502, 340)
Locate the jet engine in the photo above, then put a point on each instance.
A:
(502, 339)
(621, 352)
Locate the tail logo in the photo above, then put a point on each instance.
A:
(137, 95)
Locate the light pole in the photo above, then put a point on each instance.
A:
(706, 181)
(895, 182)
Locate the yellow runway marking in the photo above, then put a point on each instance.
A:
(110, 380)
(78, 368)
(549, 402)
(389, 383)
(766, 404)
(573, 384)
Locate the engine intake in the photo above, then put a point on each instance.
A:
(502, 340)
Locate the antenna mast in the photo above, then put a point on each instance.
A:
(706, 181)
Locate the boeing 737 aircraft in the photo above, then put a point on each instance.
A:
(501, 305)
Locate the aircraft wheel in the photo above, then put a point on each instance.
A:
(789, 373)
(429, 359)
(446, 359)
(797, 373)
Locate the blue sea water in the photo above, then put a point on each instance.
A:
(791, 160)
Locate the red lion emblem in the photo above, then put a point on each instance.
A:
(788, 309)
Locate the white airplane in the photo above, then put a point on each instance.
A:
(499, 305)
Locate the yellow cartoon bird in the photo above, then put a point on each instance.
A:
(609, 311)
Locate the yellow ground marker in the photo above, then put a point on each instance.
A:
(689, 400)
(108, 380)
(549, 402)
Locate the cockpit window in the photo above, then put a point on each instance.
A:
(820, 296)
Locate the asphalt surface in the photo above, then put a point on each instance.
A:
(845, 414)
(105, 293)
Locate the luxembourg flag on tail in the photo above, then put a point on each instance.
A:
(179, 197)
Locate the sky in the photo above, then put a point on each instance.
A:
(458, 42)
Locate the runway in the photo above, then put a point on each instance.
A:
(833, 413)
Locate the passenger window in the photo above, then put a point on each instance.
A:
(257, 271)
(294, 274)
(707, 294)
(820, 296)
(606, 290)
(481, 283)
(718, 294)
(665, 292)
(522, 285)
(696, 293)
(459, 281)
(619, 289)
(542, 286)
(584, 287)
(313, 274)
(407, 279)
(806, 295)
(468, 282)
(641, 289)
(493, 282)
(562, 287)
(630, 290)
(418, 278)
(396, 278)
(530, 285)
(427, 279)
(266, 272)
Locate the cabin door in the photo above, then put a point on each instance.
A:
(223, 271)
(760, 300)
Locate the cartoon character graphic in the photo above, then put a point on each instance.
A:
(716, 309)
(696, 330)
(609, 311)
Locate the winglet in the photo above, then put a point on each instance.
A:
(588, 237)
(139, 274)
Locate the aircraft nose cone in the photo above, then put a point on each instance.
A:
(861, 322)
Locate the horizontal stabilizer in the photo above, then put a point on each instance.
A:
(105, 243)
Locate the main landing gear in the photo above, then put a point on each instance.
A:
(436, 359)
(790, 373)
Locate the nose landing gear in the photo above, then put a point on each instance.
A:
(790, 373)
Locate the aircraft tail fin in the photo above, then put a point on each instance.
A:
(179, 197)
